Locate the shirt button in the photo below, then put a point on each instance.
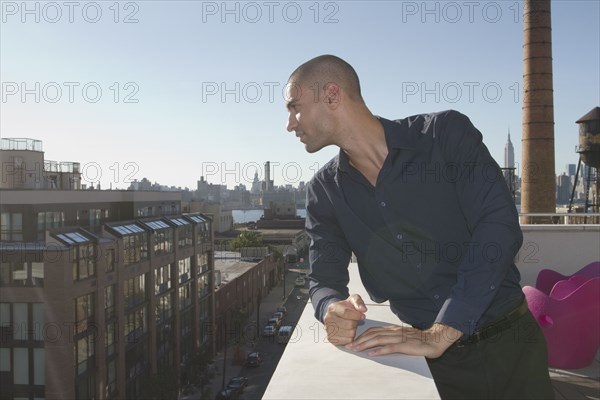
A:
(399, 236)
(382, 204)
(492, 287)
(436, 296)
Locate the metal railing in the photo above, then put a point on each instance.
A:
(560, 218)
(20, 144)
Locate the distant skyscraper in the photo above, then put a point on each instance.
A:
(509, 153)
(268, 184)
(256, 187)
(509, 164)
(563, 189)
(571, 169)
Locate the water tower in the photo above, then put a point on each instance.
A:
(589, 154)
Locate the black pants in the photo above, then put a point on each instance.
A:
(512, 364)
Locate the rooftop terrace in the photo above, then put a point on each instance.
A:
(20, 144)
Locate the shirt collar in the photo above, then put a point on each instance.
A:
(397, 136)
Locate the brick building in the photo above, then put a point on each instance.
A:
(99, 290)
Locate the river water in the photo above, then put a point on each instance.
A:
(243, 216)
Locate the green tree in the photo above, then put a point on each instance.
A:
(246, 239)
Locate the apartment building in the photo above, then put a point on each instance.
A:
(100, 291)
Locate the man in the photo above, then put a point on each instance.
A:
(426, 211)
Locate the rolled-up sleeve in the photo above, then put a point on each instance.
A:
(491, 217)
(329, 252)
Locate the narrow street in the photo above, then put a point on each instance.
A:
(294, 299)
(270, 349)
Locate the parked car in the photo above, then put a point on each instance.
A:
(278, 315)
(284, 334)
(253, 359)
(269, 330)
(282, 309)
(300, 281)
(275, 322)
(238, 383)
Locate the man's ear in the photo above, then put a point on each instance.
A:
(332, 94)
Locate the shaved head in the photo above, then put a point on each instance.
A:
(325, 69)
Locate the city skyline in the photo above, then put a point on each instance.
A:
(172, 92)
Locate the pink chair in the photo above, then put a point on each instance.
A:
(547, 278)
(570, 320)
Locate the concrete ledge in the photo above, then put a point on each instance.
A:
(312, 368)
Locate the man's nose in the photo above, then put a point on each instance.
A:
(292, 123)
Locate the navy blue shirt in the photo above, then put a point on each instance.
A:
(436, 235)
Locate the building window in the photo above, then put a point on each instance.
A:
(39, 367)
(5, 274)
(135, 291)
(5, 325)
(163, 241)
(5, 360)
(203, 311)
(202, 236)
(135, 248)
(201, 263)
(37, 321)
(136, 325)
(111, 379)
(164, 345)
(16, 273)
(84, 261)
(164, 308)
(184, 232)
(186, 324)
(110, 338)
(184, 236)
(84, 313)
(97, 216)
(202, 228)
(85, 387)
(203, 286)
(37, 273)
(184, 269)
(146, 212)
(109, 302)
(110, 260)
(20, 321)
(135, 243)
(49, 220)
(162, 279)
(136, 363)
(84, 353)
(11, 227)
(21, 366)
(185, 295)
(94, 217)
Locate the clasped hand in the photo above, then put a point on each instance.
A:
(341, 320)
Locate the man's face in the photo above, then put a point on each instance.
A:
(308, 117)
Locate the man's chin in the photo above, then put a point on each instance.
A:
(311, 149)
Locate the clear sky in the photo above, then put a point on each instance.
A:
(173, 90)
